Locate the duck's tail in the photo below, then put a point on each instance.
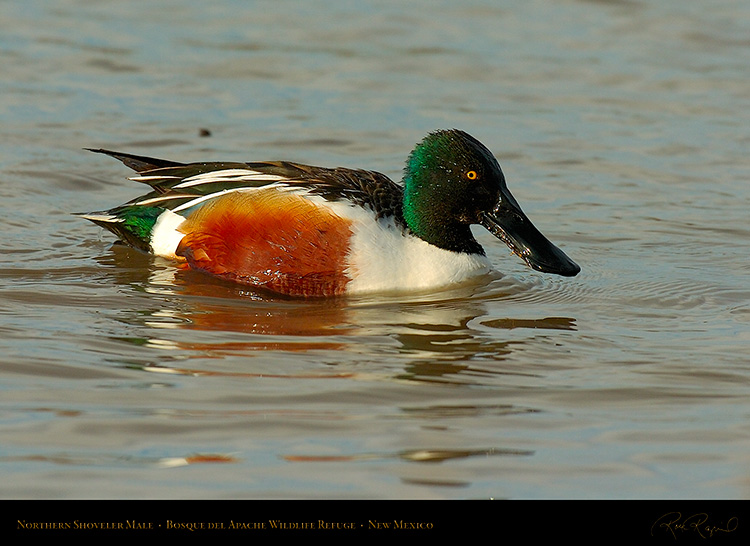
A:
(138, 163)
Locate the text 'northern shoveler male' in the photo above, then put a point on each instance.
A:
(311, 231)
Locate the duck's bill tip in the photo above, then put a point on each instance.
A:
(565, 267)
(511, 225)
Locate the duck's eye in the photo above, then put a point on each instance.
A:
(471, 175)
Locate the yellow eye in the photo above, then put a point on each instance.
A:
(471, 175)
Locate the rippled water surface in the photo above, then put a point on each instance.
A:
(622, 128)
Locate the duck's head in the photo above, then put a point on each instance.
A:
(451, 181)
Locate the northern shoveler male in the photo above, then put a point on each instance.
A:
(311, 231)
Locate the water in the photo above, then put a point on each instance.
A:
(622, 128)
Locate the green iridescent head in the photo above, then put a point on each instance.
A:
(451, 180)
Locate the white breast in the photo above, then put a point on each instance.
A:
(382, 259)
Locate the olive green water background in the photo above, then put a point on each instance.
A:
(622, 128)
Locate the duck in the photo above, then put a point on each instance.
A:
(307, 231)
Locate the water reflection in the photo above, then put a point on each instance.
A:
(446, 337)
(547, 323)
(417, 456)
